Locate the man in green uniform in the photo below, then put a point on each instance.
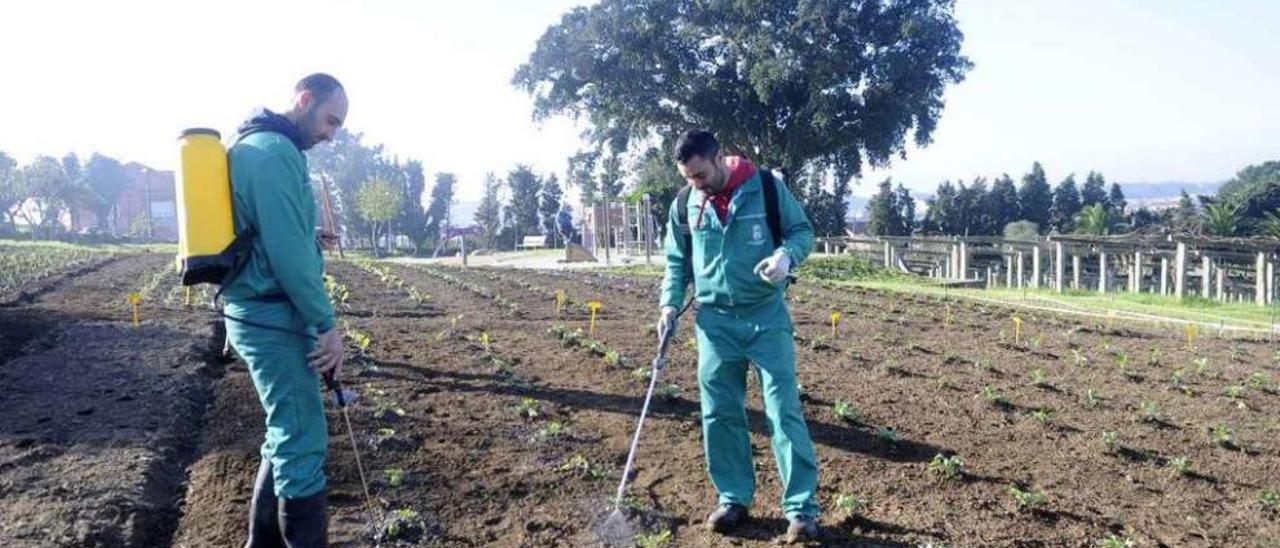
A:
(280, 320)
(723, 245)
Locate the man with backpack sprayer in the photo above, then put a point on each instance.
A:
(280, 292)
(737, 244)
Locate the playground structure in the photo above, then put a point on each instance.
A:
(628, 230)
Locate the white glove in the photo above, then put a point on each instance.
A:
(666, 322)
(774, 268)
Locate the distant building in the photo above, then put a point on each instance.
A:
(147, 207)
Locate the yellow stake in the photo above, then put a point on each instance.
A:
(1190, 330)
(594, 306)
(835, 321)
(1017, 330)
(560, 299)
(134, 299)
(946, 321)
(1111, 318)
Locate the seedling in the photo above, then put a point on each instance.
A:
(1153, 359)
(1080, 359)
(1202, 365)
(850, 503)
(1090, 399)
(1222, 436)
(530, 408)
(1233, 392)
(1042, 415)
(642, 373)
(947, 468)
(382, 408)
(1122, 361)
(613, 358)
(1179, 465)
(1110, 439)
(993, 396)
(395, 477)
(1036, 341)
(1237, 354)
(1258, 381)
(671, 391)
(1269, 499)
(553, 429)
(580, 465)
(1028, 500)
(1038, 378)
(846, 411)
(887, 435)
(654, 540)
(1148, 411)
(405, 525)
(384, 433)
(1113, 541)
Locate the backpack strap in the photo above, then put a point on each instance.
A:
(771, 214)
(682, 217)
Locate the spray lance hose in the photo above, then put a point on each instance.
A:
(335, 385)
(659, 363)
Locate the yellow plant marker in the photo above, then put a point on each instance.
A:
(1111, 318)
(1190, 330)
(134, 299)
(1017, 330)
(835, 321)
(594, 306)
(946, 320)
(561, 297)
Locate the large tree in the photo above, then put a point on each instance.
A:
(656, 176)
(1094, 190)
(439, 207)
(11, 191)
(1034, 197)
(106, 180)
(906, 210)
(489, 214)
(884, 217)
(1116, 200)
(377, 201)
(49, 188)
(793, 84)
(1002, 202)
(941, 217)
(549, 206)
(524, 185)
(412, 218)
(1066, 204)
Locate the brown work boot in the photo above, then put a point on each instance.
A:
(802, 529)
(726, 517)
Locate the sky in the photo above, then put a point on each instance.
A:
(1141, 90)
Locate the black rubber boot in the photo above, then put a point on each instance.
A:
(264, 526)
(305, 521)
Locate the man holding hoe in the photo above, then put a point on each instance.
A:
(737, 241)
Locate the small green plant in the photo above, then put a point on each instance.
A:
(850, 503)
(553, 429)
(1042, 415)
(1111, 440)
(1269, 499)
(385, 433)
(1153, 358)
(887, 435)
(653, 540)
(382, 408)
(1039, 378)
(1179, 465)
(1090, 399)
(947, 468)
(1178, 379)
(1222, 436)
(1113, 541)
(1233, 392)
(642, 373)
(1148, 411)
(1258, 381)
(846, 411)
(1122, 361)
(1202, 365)
(1236, 354)
(486, 341)
(1029, 499)
(579, 464)
(613, 358)
(395, 476)
(993, 396)
(1036, 341)
(529, 408)
(670, 391)
(403, 524)
(1079, 359)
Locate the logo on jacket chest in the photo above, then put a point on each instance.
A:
(757, 235)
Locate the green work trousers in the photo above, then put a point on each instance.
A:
(729, 339)
(289, 390)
